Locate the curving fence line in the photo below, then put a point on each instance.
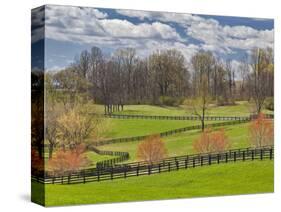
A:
(110, 169)
(121, 156)
(171, 132)
(166, 165)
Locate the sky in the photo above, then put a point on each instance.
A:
(70, 30)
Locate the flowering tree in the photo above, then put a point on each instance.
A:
(151, 149)
(210, 141)
(74, 128)
(261, 131)
(68, 160)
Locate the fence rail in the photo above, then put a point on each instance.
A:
(121, 156)
(234, 120)
(170, 132)
(206, 118)
(169, 164)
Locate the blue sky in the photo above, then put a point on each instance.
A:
(69, 30)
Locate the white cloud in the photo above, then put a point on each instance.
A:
(214, 36)
(124, 28)
(135, 13)
(94, 27)
(99, 14)
(160, 16)
(37, 19)
(77, 25)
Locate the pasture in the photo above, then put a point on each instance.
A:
(224, 179)
(241, 108)
(181, 144)
(216, 180)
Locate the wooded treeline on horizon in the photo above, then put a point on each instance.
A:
(166, 78)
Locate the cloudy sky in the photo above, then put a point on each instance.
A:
(69, 30)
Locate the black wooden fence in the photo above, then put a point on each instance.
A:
(170, 132)
(234, 121)
(121, 156)
(156, 117)
(166, 165)
(206, 118)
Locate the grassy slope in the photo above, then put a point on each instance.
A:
(240, 109)
(134, 127)
(228, 179)
(94, 158)
(181, 144)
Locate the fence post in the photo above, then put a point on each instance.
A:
(201, 160)
(210, 159)
(261, 154)
(84, 178)
(226, 157)
(68, 179)
(125, 172)
(177, 164)
(149, 170)
(98, 173)
(234, 156)
(159, 168)
(243, 155)
(193, 162)
(111, 173)
(253, 155)
(138, 168)
(270, 154)
(169, 166)
(185, 163)
(218, 158)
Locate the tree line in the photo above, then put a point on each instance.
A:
(166, 78)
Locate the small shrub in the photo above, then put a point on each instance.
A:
(68, 160)
(151, 149)
(261, 131)
(211, 141)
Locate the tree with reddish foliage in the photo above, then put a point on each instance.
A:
(220, 141)
(203, 143)
(210, 141)
(68, 160)
(151, 149)
(37, 162)
(261, 131)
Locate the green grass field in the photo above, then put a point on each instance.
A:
(225, 179)
(134, 127)
(182, 144)
(94, 158)
(240, 109)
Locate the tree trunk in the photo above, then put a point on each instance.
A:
(202, 124)
(51, 149)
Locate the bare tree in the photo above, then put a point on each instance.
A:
(259, 74)
(84, 63)
(199, 104)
